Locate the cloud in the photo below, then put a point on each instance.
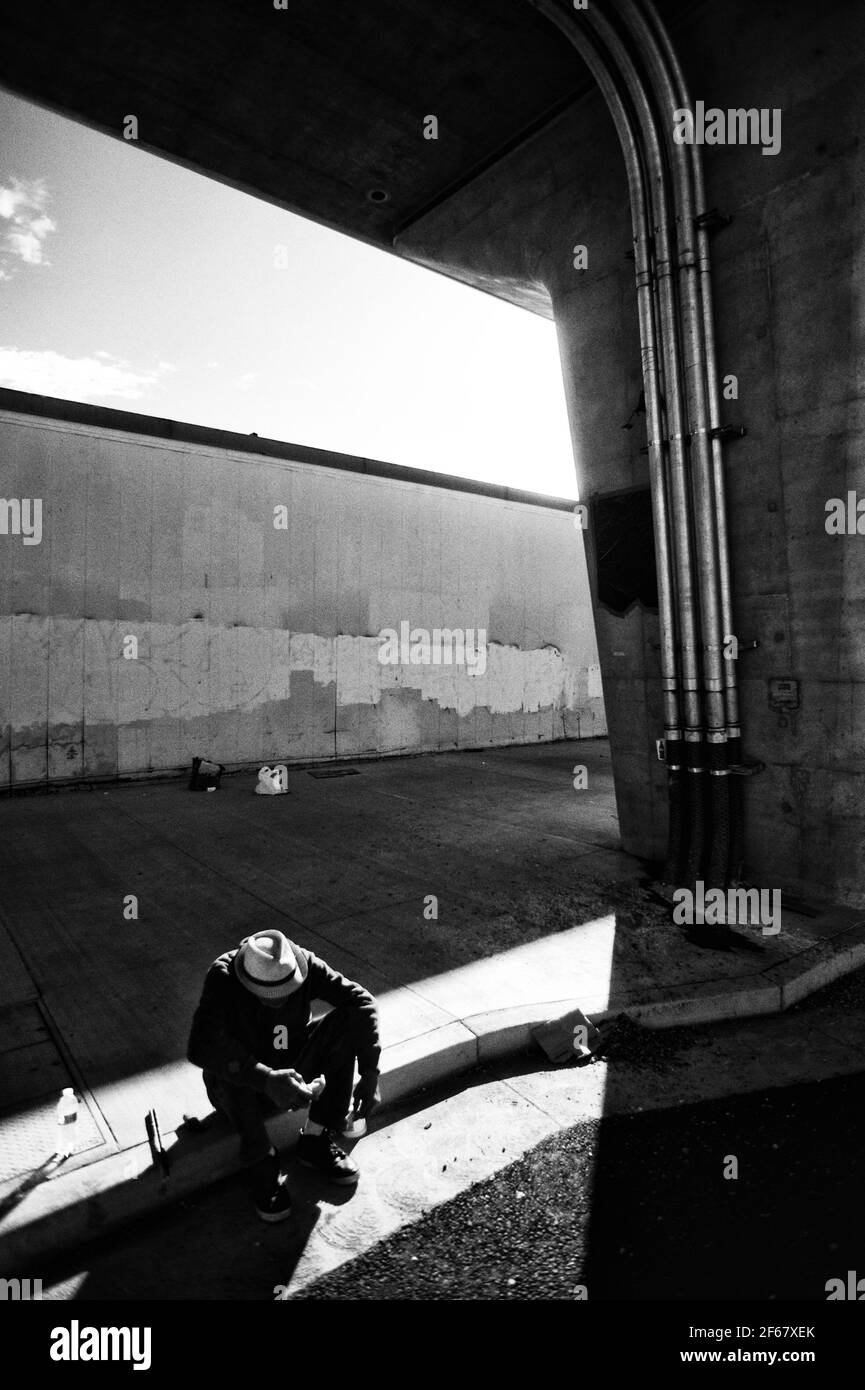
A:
(92, 378)
(22, 208)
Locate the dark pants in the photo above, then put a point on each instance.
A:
(330, 1050)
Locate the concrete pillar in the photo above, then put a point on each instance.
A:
(788, 277)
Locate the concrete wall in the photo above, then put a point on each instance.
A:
(789, 277)
(257, 643)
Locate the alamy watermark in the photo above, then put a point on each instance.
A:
(22, 516)
(730, 907)
(20, 1290)
(845, 517)
(737, 126)
(441, 646)
(853, 1290)
(77, 1343)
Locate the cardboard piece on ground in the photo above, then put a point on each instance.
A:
(568, 1038)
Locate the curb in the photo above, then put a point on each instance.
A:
(61, 1214)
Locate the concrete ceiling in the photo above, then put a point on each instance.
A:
(313, 107)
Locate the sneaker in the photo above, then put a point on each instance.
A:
(321, 1151)
(276, 1206)
(270, 1193)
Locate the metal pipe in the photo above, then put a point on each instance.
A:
(648, 338)
(693, 269)
(670, 584)
(729, 799)
(682, 99)
(694, 373)
(680, 317)
(731, 688)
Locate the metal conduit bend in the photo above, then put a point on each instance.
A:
(692, 553)
(696, 368)
(669, 596)
(664, 181)
(682, 99)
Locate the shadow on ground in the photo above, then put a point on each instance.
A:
(637, 1207)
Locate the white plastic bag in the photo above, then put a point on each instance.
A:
(272, 781)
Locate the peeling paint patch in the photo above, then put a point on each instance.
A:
(245, 686)
(196, 670)
(514, 680)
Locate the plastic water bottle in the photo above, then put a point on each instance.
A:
(67, 1117)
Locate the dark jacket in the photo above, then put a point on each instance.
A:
(233, 1033)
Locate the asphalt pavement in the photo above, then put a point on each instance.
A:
(720, 1162)
(756, 1197)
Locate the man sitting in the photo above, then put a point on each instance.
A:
(254, 1040)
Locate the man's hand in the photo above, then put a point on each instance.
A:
(366, 1094)
(288, 1090)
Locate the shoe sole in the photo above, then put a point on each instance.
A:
(274, 1216)
(348, 1181)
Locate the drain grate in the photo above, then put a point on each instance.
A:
(334, 772)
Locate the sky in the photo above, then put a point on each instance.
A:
(128, 281)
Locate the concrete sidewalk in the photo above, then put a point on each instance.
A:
(422, 1153)
(476, 894)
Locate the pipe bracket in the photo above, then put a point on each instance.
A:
(712, 220)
